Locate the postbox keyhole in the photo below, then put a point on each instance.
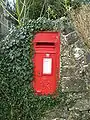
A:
(39, 74)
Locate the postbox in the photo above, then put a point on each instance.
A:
(46, 62)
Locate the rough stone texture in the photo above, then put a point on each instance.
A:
(70, 84)
(82, 105)
(74, 80)
(75, 66)
(71, 37)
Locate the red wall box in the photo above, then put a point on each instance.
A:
(46, 62)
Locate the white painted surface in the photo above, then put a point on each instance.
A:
(47, 65)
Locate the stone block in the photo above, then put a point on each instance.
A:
(86, 115)
(68, 71)
(78, 95)
(74, 83)
(65, 51)
(82, 105)
(72, 37)
(57, 114)
(88, 58)
(68, 61)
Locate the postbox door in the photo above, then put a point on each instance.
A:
(45, 73)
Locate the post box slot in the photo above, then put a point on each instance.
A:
(46, 44)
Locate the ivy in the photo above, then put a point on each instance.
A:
(18, 101)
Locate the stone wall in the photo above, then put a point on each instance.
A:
(5, 24)
(74, 80)
(75, 60)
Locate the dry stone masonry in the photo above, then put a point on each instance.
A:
(74, 81)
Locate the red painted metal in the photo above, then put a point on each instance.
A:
(46, 62)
